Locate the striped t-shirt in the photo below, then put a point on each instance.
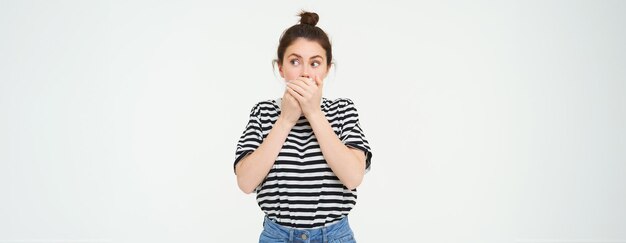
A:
(301, 190)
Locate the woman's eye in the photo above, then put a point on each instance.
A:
(315, 64)
(295, 62)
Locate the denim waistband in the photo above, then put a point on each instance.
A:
(334, 230)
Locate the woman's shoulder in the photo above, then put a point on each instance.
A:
(266, 102)
(343, 106)
(264, 105)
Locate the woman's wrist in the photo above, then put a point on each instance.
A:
(283, 122)
(315, 113)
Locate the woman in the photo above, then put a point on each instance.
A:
(303, 155)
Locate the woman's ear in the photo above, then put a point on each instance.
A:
(328, 70)
(280, 69)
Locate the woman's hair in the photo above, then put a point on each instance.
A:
(305, 29)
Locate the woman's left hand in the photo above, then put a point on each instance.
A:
(308, 92)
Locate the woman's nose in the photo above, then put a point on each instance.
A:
(305, 74)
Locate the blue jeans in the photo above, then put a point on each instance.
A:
(335, 233)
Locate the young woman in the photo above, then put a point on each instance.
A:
(302, 154)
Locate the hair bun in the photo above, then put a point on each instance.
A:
(309, 18)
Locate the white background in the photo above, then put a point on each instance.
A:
(490, 121)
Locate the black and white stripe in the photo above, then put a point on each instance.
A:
(301, 190)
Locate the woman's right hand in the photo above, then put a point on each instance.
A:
(290, 108)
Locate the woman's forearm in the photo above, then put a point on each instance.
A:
(348, 164)
(252, 169)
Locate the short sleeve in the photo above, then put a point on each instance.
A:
(252, 136)
(352, 134)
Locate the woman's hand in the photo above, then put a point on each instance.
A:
(290, 110)
(308, 93)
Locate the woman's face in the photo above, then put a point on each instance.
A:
(303, 58)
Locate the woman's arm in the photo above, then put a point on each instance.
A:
(347, 163)
(252, 169)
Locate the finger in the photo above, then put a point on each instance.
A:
(307, 81)
(297, 88)
(310, 81)
(289, 98)
(307, 84)
(295, 94)
(299, 83)
(319, 81)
